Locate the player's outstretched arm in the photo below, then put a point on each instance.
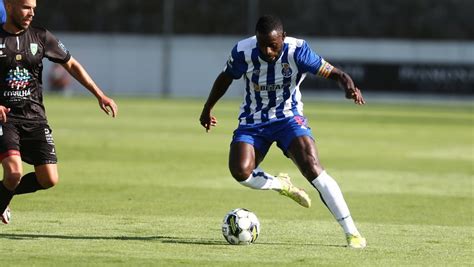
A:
(80, 74)
(219, 88)
(352, 92)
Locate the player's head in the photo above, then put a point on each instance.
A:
(270, 36)
(20, 13)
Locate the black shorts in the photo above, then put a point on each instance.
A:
(32, 141)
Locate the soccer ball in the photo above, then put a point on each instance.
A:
(240, 227)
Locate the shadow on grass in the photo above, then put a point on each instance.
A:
(162, 239)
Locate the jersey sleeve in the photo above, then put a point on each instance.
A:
(55, 51)
(236, 65)
(307, 60)
(3, 13)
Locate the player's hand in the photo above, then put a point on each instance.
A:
(356, 95)
(3, 113)
(345, 81)
(207, 120)
(108, 106)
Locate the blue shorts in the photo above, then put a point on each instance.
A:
(262, 135)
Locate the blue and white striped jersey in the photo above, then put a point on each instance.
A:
(272, 89)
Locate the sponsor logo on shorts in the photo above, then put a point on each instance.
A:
(301, 121)
(49, 137)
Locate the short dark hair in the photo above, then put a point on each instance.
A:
(268, 23)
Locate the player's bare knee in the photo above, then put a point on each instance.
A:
(12, 179)
(241, 173)
(241, 170)
(51, 182)
(48, 182)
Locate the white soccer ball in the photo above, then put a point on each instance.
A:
(240, 227)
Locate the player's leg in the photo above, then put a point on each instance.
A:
(47, 175)
(12, 171)
(247, 151)
(12, 166)
(303, 152)
(243, 160)
(38, 149)
(44, 177)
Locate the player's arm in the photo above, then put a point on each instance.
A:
(80, 74)
(330, 72)
(221, 84)
(3, 113)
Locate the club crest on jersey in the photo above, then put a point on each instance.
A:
(286, 71)
(34, 48)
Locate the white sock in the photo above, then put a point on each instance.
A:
(262, 181)
(332, 196)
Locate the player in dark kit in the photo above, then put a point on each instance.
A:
(24, 131)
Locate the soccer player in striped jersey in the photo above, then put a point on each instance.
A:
(273, 67)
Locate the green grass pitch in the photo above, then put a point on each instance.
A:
(151, 188)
